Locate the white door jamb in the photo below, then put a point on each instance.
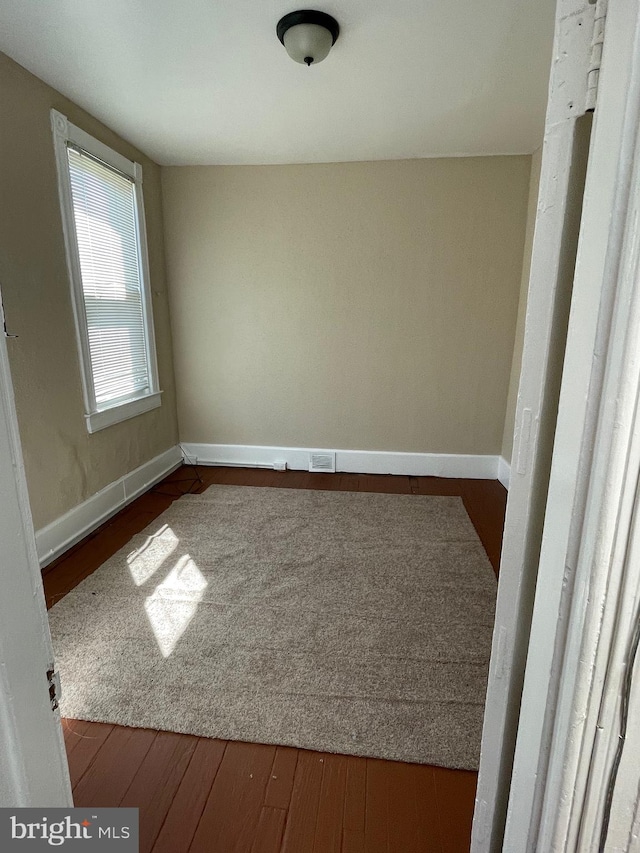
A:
(546, 321)
(34, 762)
(581, 634)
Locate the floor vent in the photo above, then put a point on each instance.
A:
(322, 462)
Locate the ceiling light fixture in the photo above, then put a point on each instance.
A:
(308, 36)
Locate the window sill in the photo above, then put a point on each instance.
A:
(107, 417)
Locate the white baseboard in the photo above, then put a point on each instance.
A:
(478, 467)
(504, 472)
(61, 534)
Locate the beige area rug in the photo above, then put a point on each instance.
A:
(338, 621)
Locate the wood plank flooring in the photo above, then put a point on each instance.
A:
(197, 794)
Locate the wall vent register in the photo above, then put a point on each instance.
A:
(322, 462)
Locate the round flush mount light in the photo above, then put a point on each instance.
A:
(308, 36)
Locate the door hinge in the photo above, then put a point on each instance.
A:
(55, 688)
(595, 59)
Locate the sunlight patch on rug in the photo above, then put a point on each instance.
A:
(174, 602)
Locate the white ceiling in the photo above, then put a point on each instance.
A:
(207, 81)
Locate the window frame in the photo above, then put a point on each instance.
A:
(98, 418)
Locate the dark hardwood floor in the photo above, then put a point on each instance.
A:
(197, 794)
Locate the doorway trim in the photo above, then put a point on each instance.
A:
(34, 770)
(568, 723)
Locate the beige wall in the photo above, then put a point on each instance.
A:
(534, 182)
(64, 464)
(352, 305)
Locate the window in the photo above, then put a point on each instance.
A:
(103, 219)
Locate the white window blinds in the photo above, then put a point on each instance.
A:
(104, 211)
